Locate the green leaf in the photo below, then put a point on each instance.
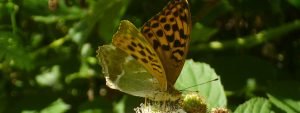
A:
(13, 52)
(50, 77)
(251, 40)
(107, 12)
(295, 3)
(119, 107)
(255, 105)
(92, 111)
(284, 95)
(111, 19)
(201, 33)
(284, 104)
(29, 111)
(58, 106)
(195, 73)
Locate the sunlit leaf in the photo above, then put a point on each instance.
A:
(13, 52)
(119, 107)
(285, 96)
(195, 73)
(255, 105)
(58, 106)
(49, 77)
(201, 33)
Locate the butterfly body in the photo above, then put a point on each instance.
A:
(158, 53)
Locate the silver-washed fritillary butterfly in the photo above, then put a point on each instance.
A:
(147, 63)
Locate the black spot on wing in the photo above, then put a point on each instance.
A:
(176, 13)
(130, 48)
(177, 43)
(175, 27)
(156, 44)
(144, 60)
(180, 52)
(155, 65)
(150, 58)
(182, 35)
(147, 49)
(170, 38)
(141, 46)
(163, 20)
(133, 44)
(181, 10)
(172, 19)
(165, 47)
(177, 55)
(142, 53)
(160, 33)
(168, 12)
(167, 27)
(155, 25)
(157, 70)
(134, 56)
(183, 18)
(150, 35)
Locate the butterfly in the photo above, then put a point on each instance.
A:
(147, 62)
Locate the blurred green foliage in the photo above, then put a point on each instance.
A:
(48, 59)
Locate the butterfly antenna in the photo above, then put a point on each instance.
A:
(200, 84)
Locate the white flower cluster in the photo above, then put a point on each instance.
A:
(159, 107)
